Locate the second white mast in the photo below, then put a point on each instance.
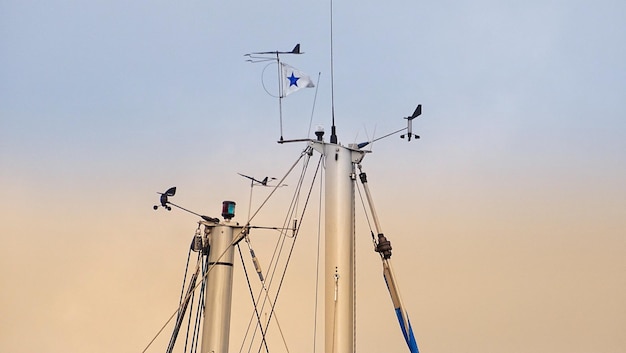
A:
(339, 181)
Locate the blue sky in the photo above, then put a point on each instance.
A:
(515, 195)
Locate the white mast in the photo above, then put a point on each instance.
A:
(340, 177)
(219, 284)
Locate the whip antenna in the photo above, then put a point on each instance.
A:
(333, 132)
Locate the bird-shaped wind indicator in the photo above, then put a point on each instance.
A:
(260, 56)
(258, 182)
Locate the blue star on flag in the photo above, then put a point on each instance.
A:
(293, 80)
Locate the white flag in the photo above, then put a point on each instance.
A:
(294, 80)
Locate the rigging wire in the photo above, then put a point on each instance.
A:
(199, 261)
(280, 182)
(195, 276)
(292, 246)
(256, 311)
(204, 276)
(273, 266)
(366, 214)
(235, 240)
(265, 289)
(194, 335)
(317, 85)
(199, 313)
(180, 305)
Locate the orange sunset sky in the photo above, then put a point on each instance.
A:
(507, 217)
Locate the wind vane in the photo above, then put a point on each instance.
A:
(290, 79)
(254, 56)
(165, 203)
(409, 122)
(408, 128)
(259, 182)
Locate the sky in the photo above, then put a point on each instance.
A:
(507, 217)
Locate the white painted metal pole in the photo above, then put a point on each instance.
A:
(219, 285)
(339, 246)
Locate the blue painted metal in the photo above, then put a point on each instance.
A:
(408, 334)
(403, 316)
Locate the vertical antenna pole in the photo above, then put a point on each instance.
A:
(280, 95)
(333, 132)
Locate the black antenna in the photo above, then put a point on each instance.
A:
(333, 132)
